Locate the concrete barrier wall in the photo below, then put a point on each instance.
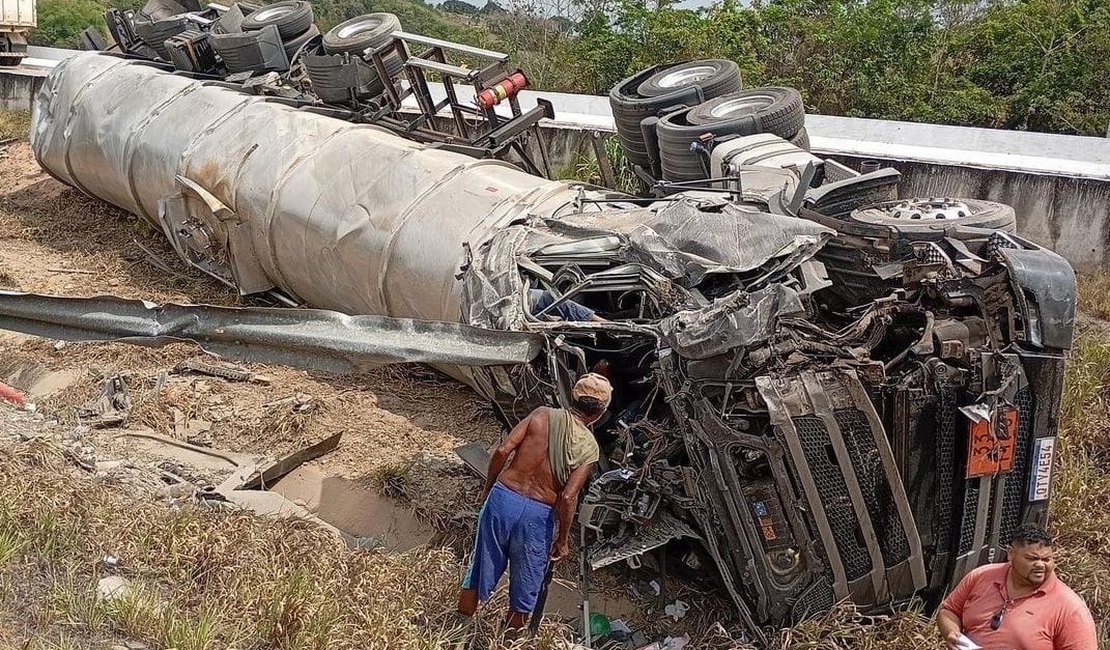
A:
(1069, 215)
(18, 88)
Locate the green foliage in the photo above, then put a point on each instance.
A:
(1024, 64)
(60, 22)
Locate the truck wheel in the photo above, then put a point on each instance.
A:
(757, 110)
(360, 33)
(294, 45)
(292, 18)
(923, 215)
(715, 77)
(630, 107)
(676, 135)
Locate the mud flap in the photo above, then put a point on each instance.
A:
(840, 455)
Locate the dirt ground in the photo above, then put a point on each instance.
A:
(395, 422)
(400, 425)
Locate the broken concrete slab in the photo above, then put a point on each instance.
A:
(270, 504)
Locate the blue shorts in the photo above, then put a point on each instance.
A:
(568, 310)
(516, 531)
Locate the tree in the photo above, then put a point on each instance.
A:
(459, 7)
(60, 22)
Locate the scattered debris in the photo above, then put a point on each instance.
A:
(177, 450)
(274, 472)
(111, 408)
(113, 588)
(677, 609)
(228, 372)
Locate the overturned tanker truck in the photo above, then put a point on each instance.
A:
(823, 391)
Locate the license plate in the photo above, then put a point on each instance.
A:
(1040, 479)
(991, 444)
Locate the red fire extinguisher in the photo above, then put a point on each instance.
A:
(502, 90)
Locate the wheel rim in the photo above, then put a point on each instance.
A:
(268, 13)
(929, 210)
(359, 27)
(686, 76)
(741, 106)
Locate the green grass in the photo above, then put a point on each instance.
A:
(206, 580)
(1094, 295)
(15, 124)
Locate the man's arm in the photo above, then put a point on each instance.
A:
(952, 609)
(568, 502)
(504, 450)
(949, 626)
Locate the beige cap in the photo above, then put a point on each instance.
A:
(595, 386)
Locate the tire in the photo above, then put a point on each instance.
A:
(630, 108)
(758, 110)
(156, 10)
(291, 17)
(676, 135)
(293, 45)
(360, 33)
(909, 217)
(720, 117)
(801, 139)
(155, 33)
(714, 76)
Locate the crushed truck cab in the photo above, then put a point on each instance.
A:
(824, 391)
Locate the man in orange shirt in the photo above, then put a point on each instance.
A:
(1017, 604)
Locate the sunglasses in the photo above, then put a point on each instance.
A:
(996, 620)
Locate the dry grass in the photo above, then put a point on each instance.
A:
(204, 580)
(1094, 295)
(14, 124)
(1080, 515)
(7, 280)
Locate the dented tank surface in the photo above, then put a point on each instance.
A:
(821, 407)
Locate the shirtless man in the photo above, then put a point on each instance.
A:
(552, 453)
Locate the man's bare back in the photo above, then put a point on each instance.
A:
(529, 471)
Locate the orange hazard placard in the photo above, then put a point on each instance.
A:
(991, 444)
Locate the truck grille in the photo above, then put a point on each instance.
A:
(946, 466)
(817, 598)
(1015, 482)
(834, 494)
(858, 436)
(971, 508)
